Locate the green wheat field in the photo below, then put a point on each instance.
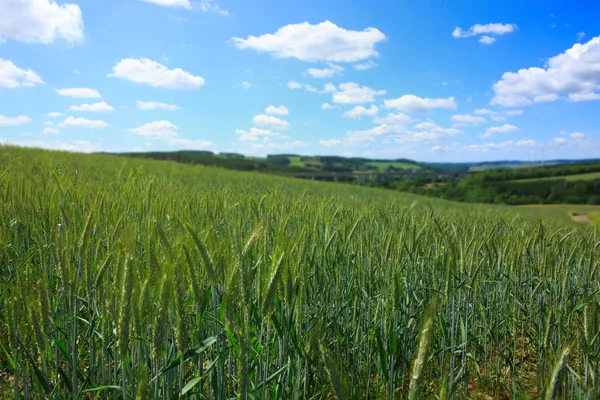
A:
(137, 279)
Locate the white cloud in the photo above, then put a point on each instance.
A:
(383, 129)
(191, 144)
(270, 121)
(40, 21)
(79, 93)
(573, 73)
(50, 131)
(54, 114)
(329, 88)
(393, 119)
(526, 143)
(83, 122)
(360, 111)
(327, 106)
(329, 143)
(256, 134)
(212, 6)
(328, 72)
(590, 96)
(48, 123)
(295, 85)
(580, 35)
(467, 120)
(498, 115)
(155, 105)
(577, 135)
(12, 76)
(353, 93)
(321, 42)
(485, 30)
(144, 70)
(425, 125)
(486, 147)
(281, 110)
(411, 103)
(560, 140)
(14, 121)
(487, 39)
(364, 66)
(171, 3)
(244, 85)
(506, 128)
(96, 107)
(156, 130)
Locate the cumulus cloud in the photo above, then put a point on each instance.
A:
(83, 122)
(50, 131)
(526, 143)
(360, 111)
(327, 106)
(320, 42)
(506, 128)
(256, 134)
(156, 105)
(40, 21)
(296, 85)
(79, 93)
(364, 66)
(243, 85)
(54, 114)
(383, 129)
(270, 121)
(327, 72)
(281, 110)
(414, 104)
(486, 147)
(574, 73)
(212, 6)
(328, 88)
(14, 121)
(146, 71)
(590, 96)
(329, 143)
(393, 119)
(12, 76)
(353, 93)
(467, 120)
(577, 135)
(198, 144)
(486, 31)
(96, 107)
(171, 3)
(156, 130)
(498, 115)
(487, 39)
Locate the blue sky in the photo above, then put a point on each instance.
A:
(432, 81)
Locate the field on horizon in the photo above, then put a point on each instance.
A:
(575, 177)
(132, 278)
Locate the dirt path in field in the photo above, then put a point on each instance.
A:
(580, 218)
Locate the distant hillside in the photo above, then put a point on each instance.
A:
(295, 164)
(284, 163)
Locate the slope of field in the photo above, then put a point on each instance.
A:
(129, 278)
(576, 177)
